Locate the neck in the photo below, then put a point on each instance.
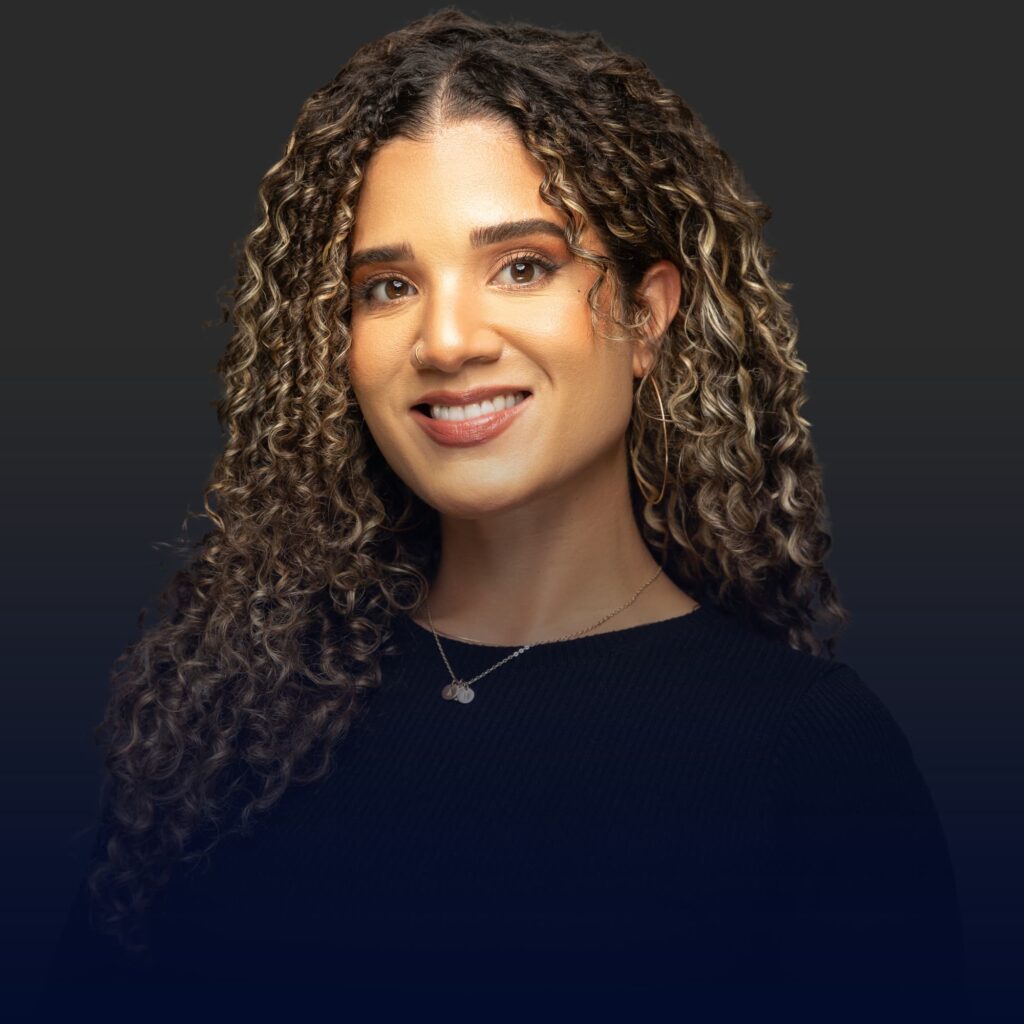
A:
(549, 568)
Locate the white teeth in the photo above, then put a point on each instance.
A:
(474, 409)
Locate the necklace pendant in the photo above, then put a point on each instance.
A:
(465, 694)
(451, 691)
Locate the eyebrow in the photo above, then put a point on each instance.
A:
(478, 238)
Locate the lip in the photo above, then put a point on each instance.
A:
(469, 395)
(467, 433)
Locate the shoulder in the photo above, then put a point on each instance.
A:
(826, 720)
(761, 665)
(839, 713)
(842, 750)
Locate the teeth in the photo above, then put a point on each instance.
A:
(474, 409)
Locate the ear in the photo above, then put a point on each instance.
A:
(660, 291)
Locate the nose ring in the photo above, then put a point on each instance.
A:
(416, 353)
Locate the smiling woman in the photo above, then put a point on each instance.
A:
(489, 299)
(512, 408)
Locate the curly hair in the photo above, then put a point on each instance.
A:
(272, 633)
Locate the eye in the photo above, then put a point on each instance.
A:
(393, 288)
(520, 265)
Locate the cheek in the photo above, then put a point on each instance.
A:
(595, 372)
(559, 331)
(369, 364)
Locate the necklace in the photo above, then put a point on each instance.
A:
(461, 690)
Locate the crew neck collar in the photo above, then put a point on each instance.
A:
(630, 635)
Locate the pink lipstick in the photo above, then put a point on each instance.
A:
(466, 433)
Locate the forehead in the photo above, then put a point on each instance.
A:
(461, 177)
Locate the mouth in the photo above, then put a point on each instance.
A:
(475, 430)
(460, 416)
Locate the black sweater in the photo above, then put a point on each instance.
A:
(684, 808)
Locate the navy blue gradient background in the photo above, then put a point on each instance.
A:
(135, 145)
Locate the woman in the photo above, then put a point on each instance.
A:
(513, 413)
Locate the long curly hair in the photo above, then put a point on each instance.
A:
(274, 630)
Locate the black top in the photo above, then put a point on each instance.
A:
(679, 807)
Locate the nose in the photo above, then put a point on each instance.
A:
(453, 331)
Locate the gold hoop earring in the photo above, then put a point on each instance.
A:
(633, 450)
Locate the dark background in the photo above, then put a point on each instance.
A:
(881, 138)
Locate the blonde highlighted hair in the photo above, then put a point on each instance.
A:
(274, 628)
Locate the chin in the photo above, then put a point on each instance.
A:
(482, 500)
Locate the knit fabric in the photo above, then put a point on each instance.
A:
(684, 810)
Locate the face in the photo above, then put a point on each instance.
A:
(510, 312)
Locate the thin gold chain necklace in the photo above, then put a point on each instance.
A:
(461, 690)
